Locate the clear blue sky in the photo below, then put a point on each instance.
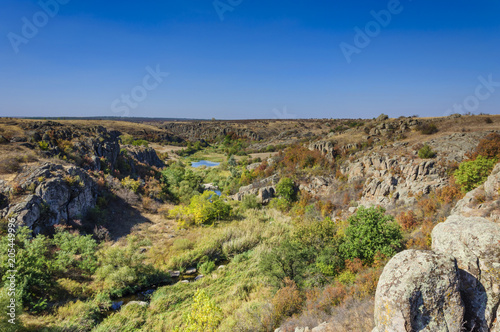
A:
(266, 59)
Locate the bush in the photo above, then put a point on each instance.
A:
(131, 184)
(288, 260)
(407, 220)
(426, 152)
(286, 302)
(471, 174)
(204, 314)
(286, 189)
(488, 147)
(280, 204)
(75, 252)
(207, 267)
(206, 208)
(428, 128)
(44, 146)
(250, 202)
(371, 231)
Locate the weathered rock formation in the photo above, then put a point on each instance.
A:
(57, 194)
(475, 243)
(419, 291)
(390, 179)
(263, 189)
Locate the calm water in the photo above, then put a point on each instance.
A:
(204, 163)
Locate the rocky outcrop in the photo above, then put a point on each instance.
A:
(327, 148)
(263, 189)
(58, 195)
(419, 291)
(145, 155)
(454, 286)
(475, 243)
(208, 130)
(391, 180)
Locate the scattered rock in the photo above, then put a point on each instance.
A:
(141, 303)
(199, 277)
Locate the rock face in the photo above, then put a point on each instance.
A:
(58, 194)
(475, 243)
(391, 180)
(263, 189)
(145, 155)
(208, 130)
(419, 291)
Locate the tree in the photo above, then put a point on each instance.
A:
(286, 189)
(371, 231)
(288, 260)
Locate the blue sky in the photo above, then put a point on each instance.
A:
(263, 60)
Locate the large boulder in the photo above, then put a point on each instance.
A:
(419, 291)
(475, 243)
(57, 195)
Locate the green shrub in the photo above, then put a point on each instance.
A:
(204, 314)
(44, 146)
(428, 128)
(206, 208)
(250, 202)
(280, 204)
(286, 189)
(371, 231)
(179, 183)
(75, 251)
(131, 184)
(426, 152)
(287, 260)
(471, 174)
(207, 267)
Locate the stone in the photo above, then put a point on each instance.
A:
(190, 271)
(419, 291)
(141, 303)
(199, 277)
(475, 243)
(320, 328)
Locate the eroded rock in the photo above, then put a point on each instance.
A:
(419, 291)
(475, 243)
